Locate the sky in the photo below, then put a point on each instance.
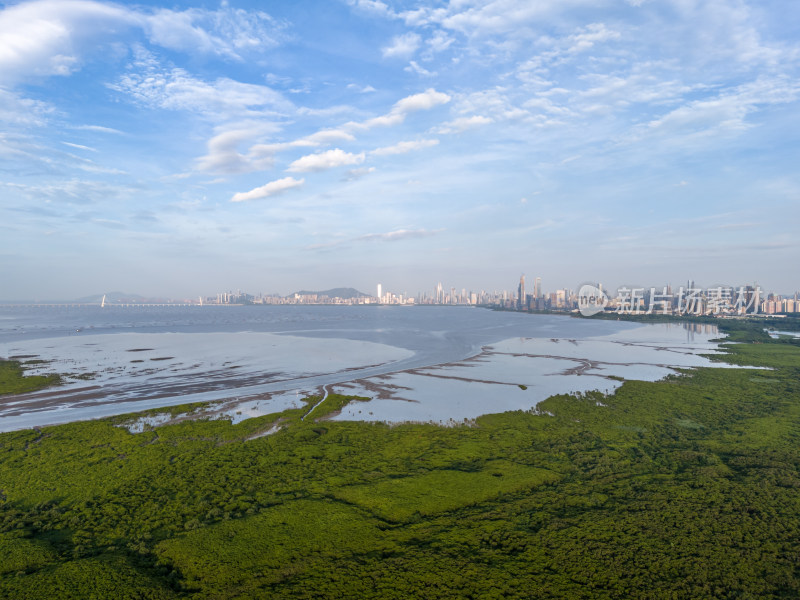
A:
(179, 149)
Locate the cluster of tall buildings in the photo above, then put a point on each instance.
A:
(530, 296)
(442, 295)
(237, 297)
(536, 300)
(689, 299)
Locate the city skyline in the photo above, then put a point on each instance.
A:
(686, 300)
(539, 298)
(165, 148)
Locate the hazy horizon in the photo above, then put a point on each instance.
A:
(171, 150)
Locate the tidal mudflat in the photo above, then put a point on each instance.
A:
(518, 373)
(112, 373)
(433, 364)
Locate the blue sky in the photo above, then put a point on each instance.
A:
(188, 148)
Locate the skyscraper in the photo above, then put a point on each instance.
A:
(380, 293)
(521, 296)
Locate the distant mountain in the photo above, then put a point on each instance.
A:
(344, 293)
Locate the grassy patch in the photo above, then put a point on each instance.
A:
(406, 498)
(264, 549)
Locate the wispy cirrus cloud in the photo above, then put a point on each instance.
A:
(17, 110)
(492, 17)
(79, 146)
(75, 191)
(354, 174)
(414, 67)
(389, 236)
(151, 84)
(724, 114)
(463, 123)
(397, 235)
(404, 147)
(99, 129)
(226, 31)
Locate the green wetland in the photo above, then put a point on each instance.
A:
(688, 487)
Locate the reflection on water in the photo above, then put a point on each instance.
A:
(704, 329)
(774, 334)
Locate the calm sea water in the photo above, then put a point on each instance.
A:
(256, 359)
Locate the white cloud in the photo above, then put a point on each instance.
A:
(325, 160)
(329, 111)
(223, 154)
(426, 100)
(320, 138)
(386, 120)
(404, 147)
(48, 37)
(41, 38)
(402, 46)
(463, 123)
(326, 136)
(271, 189)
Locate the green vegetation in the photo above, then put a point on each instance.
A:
(684, 488)
(14, 381)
